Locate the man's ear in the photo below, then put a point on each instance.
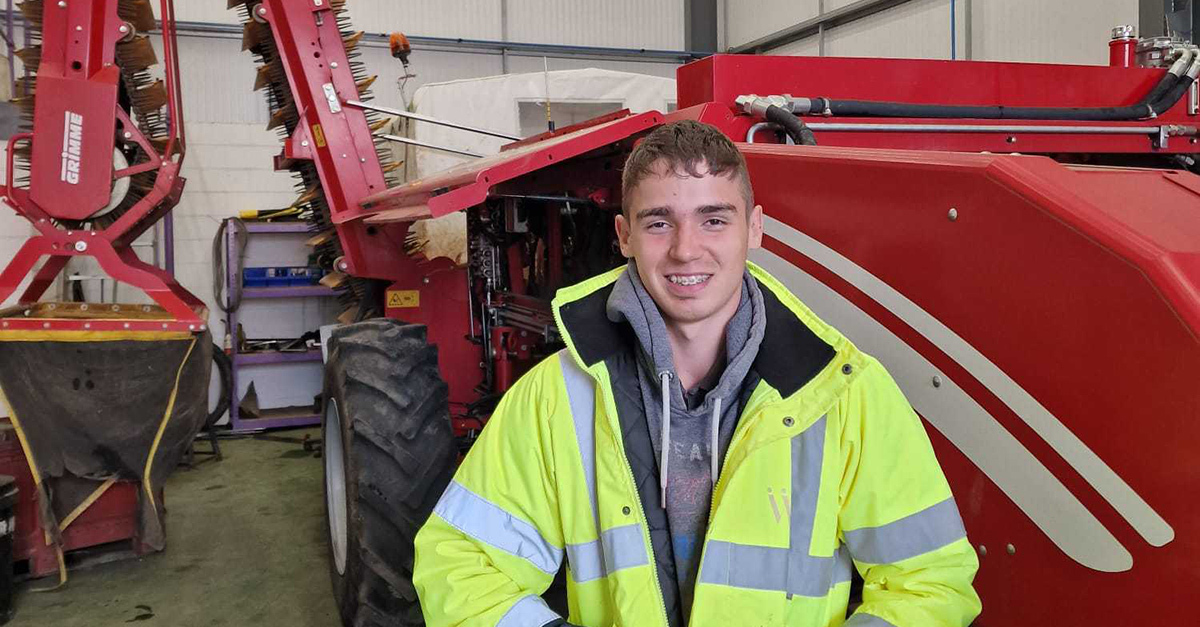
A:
(756, 227)
(624, 230)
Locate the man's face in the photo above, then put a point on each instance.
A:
(689, 237)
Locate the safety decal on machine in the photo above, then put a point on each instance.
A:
(403, 299)
(318, 135)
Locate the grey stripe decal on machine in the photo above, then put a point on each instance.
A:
(530, 611)
(927, 530)
(1132, 507)
(619, 547)
(489, 523)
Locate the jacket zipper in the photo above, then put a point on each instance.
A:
(642, 513)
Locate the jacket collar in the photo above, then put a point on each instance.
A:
(796, 346)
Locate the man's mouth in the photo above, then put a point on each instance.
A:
(688, 279)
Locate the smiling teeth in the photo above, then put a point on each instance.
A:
(688, 280)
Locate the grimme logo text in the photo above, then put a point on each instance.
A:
(72, 147)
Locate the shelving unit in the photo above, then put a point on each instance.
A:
(274, 418)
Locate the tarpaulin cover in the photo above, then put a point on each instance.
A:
(91, 411)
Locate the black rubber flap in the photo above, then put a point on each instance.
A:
(90, 411)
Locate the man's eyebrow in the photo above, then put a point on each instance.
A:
(718, 208)
(653, 212)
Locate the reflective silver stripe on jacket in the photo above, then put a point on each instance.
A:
(927, 530)
(866, 620)
(616, 548)
(489, 523)
(791, 570)
(530, 611)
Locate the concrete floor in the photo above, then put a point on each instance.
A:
(245, 546)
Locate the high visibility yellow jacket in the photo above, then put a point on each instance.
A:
(829, 468)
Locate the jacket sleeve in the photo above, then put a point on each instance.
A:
(898, 518)
(494, 541)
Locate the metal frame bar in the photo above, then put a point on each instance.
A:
(837, 17)
(111, 246)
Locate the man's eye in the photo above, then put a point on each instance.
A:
(657, 226)
(714, 222)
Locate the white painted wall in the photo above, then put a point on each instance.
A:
(1070, 31)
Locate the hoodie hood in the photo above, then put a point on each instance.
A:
(664, 398)
(630, 302)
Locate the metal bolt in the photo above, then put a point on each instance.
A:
(625, 510)
(79, 28)
(333, 65)
(62, 4)
(70, 233)
(1012, 139)
(128, 135)
(116, 308)
(937, 381)
(124, 28)
(524, 333)
(202, 327)
(83, 307)
(80, 246)
(317, 3)
(52, 307)
(87, 325)
(953, 214)
(482, 365)
(45, 325)
(788, 421)
(1011, 549)
(847, 369)
(6, 324)
(524, 347)
(191, 327)
(343, 155)
(304, 143)
(982, 550)
(164, 325)
(146, 308)
(262, 11)
(425, 280)
(362, 159)
(126, 325)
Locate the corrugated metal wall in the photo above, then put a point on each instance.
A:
(1070, 31)
(652, 24)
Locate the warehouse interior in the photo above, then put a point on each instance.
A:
(170, 362)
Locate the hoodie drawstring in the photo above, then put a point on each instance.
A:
(716, 421)
(665, 378)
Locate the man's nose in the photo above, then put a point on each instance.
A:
(685, 246)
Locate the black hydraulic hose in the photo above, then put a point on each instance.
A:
(241, 235)
(792, 125)
(1161, 98)
(224, 368)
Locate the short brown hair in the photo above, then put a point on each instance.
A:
(684, 146)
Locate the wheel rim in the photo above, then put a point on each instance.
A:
(335, 485)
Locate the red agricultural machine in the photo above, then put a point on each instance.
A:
(103, 398)
(1041, 310)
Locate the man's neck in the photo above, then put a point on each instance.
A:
(699, 347)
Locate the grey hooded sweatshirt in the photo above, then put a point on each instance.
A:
(701, 420)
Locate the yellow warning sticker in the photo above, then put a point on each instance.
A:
(318, 135)
(403, 299)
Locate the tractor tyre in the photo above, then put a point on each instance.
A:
(389, 452)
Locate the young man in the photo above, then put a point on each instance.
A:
(705, 451)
